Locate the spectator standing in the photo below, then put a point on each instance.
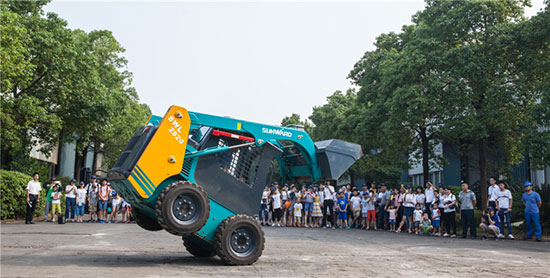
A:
(316, 214)
(284, 197)
(263, 206)
(504, 209)
(49, 191)
(441, 196)
(328, 203)
(33, 197)
(493, 188)
(392, 213)
(292, 197)
(532, 202)
(308, 208)
(343, 204)
(467, 203)
(409, 202)
(420, 198)
(277, 212)
(417, 218)
(449, 202)
(88, 188)
(70, 200)
(56, 202)
(80, 202)
(436, 215)
(93, 197)
(430, 198)
(103, 195)
(298, 212)
(383, 203)
(356, 208)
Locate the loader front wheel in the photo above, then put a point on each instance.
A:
(145, 222)
(196, 250)
(182, 208)
(239, 240)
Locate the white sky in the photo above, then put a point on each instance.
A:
(257, 61)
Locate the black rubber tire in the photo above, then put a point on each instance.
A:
(164, 208)
(197, 250)
(224, 232)
(146, 222)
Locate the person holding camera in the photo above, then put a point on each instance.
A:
(489, 223)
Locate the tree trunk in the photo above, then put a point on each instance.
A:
(464, 162)
(482, 173)
(425, 154)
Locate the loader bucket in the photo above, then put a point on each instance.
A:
(336, 156)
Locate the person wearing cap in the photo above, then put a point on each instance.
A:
(70, 200)
(33, 197)
(104, 192)
(93, 197)
(467, 203)
(532, 202)
(48, 208)
(489, 223)
(504, 208)
(88, 188)
(80, 202)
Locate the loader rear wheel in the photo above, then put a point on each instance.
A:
(196, 250)
(182, 208)
(239, 240)
(145, 222)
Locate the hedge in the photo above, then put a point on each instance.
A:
(13, 195)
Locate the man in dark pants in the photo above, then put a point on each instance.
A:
(328, 204)
(467, 203)
(383, 202)
(33, 197)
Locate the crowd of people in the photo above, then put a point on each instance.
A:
(422, 210)
(97, 199)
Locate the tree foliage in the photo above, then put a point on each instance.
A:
(61, 85)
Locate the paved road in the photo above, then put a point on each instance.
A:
(125, 250)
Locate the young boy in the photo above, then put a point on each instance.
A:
(436, 214)
(56, 202)
(356, 208)
(343, 204)
(426, 225)
(371, 210)
(298, 212)
(104, 193)
(93, 195)
(417, 217)
(392, 213)
(489, 223)
(80, 202)
(364, 208)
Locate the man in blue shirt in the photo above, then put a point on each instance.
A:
(532, 202)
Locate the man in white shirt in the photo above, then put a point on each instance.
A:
(33, 197)
(430, 197)
(328, 203)
(491, 191)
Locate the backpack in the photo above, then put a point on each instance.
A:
(61, 219)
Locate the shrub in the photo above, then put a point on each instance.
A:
(13, 190)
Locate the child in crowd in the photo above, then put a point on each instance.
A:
(80, 202)
(115, 205)
(371, 210)
(489, 223)
(426, 225)
(298, 212)
(392, 211)
(436, 214)
(125, 211)
(343, 204)
(104, 192)
(417, 217)
(317, 214)
(356, 208)
(364, 206)
(56, 202)
(92, 202)
(308, 208)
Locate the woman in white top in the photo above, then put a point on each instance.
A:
(277, 212)
(420, 197)
(70, 200)
(449, 208)
(409, 202)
